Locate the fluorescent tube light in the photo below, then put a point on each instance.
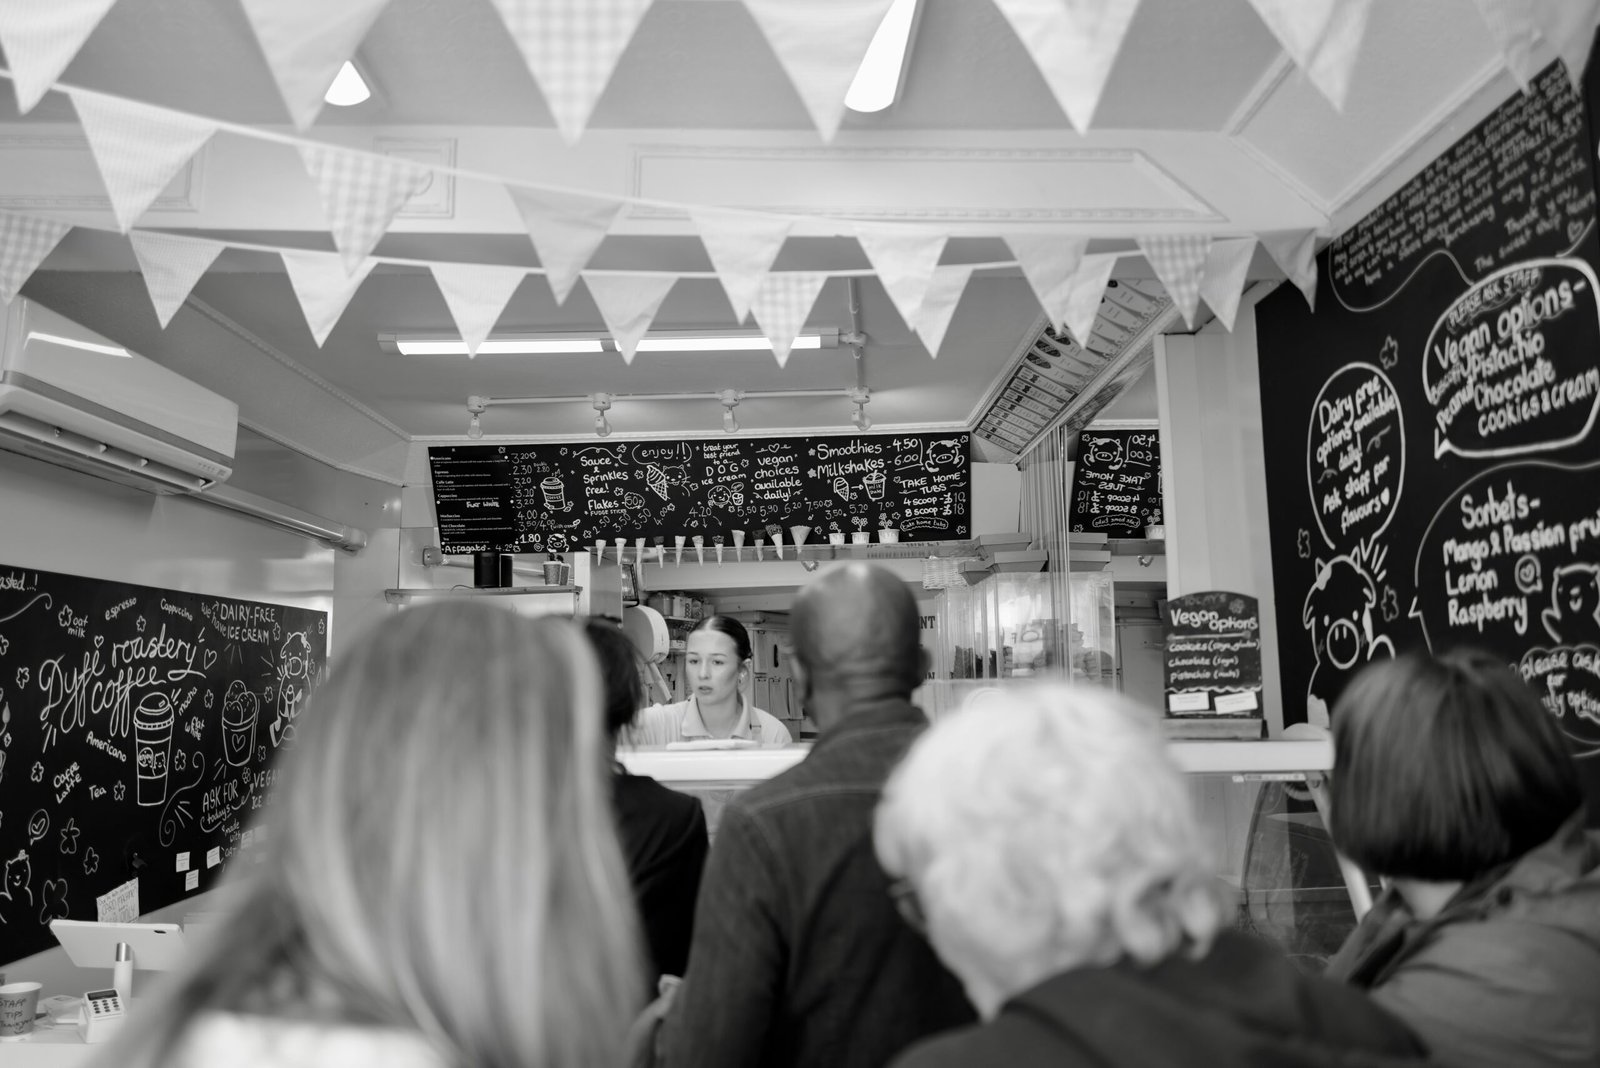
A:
(78, 343)
(552, 346)
(877, 80)
(722, 344)
(348, 88)
(504, 347)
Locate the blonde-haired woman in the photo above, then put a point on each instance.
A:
(440, 886)
(1045, 843)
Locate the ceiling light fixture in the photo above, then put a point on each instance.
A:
(349, 88)
(476, 406)
(877, 81)
(556, 344)
(601, 402)
(730, 399)
(859, 396)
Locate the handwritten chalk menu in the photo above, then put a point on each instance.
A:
(1116, 485)
(134, 721)
(1213, 654)
(1433, 469)
(556, 498)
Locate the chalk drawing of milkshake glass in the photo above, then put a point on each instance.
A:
(152, 747)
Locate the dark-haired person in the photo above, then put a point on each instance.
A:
(663, 832)
(1453, 782)
(717, 663)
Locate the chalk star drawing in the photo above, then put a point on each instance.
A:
(22, 678)
(38, 772)
(1389, 355)
(138, 624)
(1303, 543)
(209, 698)
(119, 791)
(91, 861)
(1391, 605)
(69, 837)
(261, 752)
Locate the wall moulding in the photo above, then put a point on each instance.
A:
(57, 172)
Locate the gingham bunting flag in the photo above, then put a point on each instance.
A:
(1074, 46)
(1322, 37)
(571, 47)
(171, 266)
(820, 45)
(1084, 292)
(782, 304)
(476, 295)
(628, 303)
(306, 42)
(360, 194)
(25, 240)
(138, 148)
(1178, 260)
(323, 287)
(565, 229)
(1295, 253)
(1223, 281)
(1048, 262)
(904, 258)
(40, 39)
(742, 247)
(1516, 25)
(939, 304)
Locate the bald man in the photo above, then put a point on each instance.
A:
(800, 955)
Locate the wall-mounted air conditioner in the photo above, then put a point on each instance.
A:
(71, 397)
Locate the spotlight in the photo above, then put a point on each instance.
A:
(601, 402)
(859, 396)
(601, 427)
(860, 419)
(729, 399)
(476, 406)
(474, 427)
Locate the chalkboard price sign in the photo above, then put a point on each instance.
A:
(134, 722)
(1116, 485)
(559, 498)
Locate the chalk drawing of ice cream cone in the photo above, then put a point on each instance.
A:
(554, 494)
(655, 479)
(841, 488)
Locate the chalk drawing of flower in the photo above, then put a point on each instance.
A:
(22, 678)
(119, 791)
(69, 837)
(1304, 543)
(209, 697)
(138, 624)
(55, 901)
(4, 645)
(179, 760)
(261, 752)
(1391, 604)
(38, 772)
(65, 618)
(91, 861)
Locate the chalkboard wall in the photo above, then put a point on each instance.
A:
(1116, 483)
(556, 498)
(134, 722)
(1433, 469)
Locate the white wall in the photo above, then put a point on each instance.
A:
(1212, 459)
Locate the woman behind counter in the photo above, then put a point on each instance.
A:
(717, 669)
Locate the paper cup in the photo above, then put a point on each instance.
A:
(836, 537)
(861, 537)
(19, 1003)
(888, 534)
(552, 574)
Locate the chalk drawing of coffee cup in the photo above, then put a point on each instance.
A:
(239, 711)
(554, 493)
(874, 484)
(152, 747)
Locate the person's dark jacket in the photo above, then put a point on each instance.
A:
(1242, 1005)
(799, 956)
(1508, 972)
(663, 836)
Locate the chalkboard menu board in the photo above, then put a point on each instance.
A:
(1433, 470)
(556, 498)
(1212, 654)
(1116, 484)
(134, 722)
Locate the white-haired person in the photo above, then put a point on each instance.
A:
(1045, 842)
(441, 886)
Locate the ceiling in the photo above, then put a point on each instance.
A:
(1204, 126)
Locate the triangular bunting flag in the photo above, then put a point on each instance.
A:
(1513, 30)
(306, 42)
(939, 304)
(323, 287)
(820, 45)
(1178, 260)
(742, 247)
(1321, 36)
(1048, 262)
(628, 303)
(40, 39)
(904, 259)
(138, 148)
(171, 267)
(1569, 28)
(476, 295)
(1074, 45)
(1223, 281)
(1084, 292)
(1295, 253)
(25, 240)
(571, 47)
(360, 194)
(782, 304)
(565, 229)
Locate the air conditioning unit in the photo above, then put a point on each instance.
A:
(71, 397)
